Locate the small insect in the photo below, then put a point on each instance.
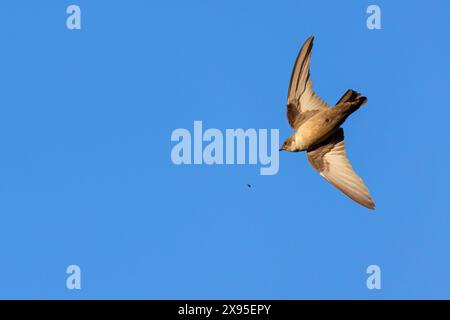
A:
(249, 185)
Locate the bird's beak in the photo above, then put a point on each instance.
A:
(281, 149)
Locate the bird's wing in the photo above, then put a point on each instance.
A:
(302, 101)
(330, 160)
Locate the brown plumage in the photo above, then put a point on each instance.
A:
(318, 132)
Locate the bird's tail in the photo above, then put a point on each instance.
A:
(353, 97)
(351, 101)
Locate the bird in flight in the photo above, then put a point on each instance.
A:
(318, 132)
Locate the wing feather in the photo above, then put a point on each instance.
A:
(302, 101)
(331, 161)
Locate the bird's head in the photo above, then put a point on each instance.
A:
(289, 144)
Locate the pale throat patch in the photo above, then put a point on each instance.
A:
(299, 140)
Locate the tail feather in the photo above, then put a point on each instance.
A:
(350, 102)
(353, 97)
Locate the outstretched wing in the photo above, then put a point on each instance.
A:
(302, 101)
(330, 160)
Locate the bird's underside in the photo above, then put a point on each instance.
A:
(318, 130)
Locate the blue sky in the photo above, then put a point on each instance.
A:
(86, 176)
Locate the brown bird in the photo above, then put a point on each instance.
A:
(318, 132)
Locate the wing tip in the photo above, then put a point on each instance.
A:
(369, 205)
(309, 41)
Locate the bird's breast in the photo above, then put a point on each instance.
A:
(314, 131)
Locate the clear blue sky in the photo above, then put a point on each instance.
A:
(86, 176)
